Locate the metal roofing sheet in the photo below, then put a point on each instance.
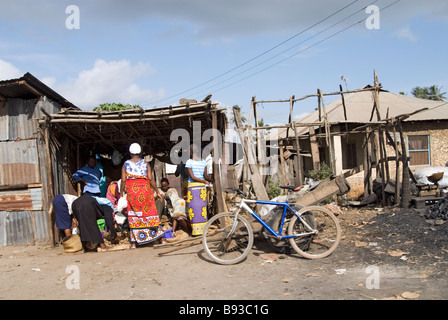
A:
(359, 110)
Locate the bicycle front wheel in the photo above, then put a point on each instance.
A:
(226, 239)
(326, 237)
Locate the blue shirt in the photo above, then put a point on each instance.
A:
(92, 176)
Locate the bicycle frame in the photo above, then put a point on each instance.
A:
(243, 205)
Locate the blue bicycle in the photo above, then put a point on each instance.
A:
(313, 232)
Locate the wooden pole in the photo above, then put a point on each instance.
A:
(314, 149)
(328, 134)
(216, 169)
(397, 168)
(50, 193)
(405, 189)
(298, 158)
(282, 164)
(249, 156)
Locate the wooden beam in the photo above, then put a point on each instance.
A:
(314, 149)
(217, 183)
(249, 156)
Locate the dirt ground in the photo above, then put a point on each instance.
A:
(384, 254)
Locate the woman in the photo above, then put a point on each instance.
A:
(197, 191)
(62, 206)
(87, 210)
(136, 181)
(176, 206)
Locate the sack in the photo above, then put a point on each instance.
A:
(72, 243)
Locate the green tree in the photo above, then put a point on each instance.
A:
(430, 93)
(115, 107)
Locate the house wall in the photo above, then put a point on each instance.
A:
(438, 132)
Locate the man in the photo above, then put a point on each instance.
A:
(91, 175)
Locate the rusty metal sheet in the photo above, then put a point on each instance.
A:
(28, 199)
(15, 202)
(24, 228)
(19, 163)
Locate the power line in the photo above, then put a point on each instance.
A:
(284, 51)
(258, 56)
(301, 51)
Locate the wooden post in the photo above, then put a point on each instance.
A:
(328, 133)
(314, 149)
(216, 156)
(382, 159)
(397, 167)
(50, 193)
(298, 158)
(405, 188)
(282, 164)
(249, 156)
(367, 164)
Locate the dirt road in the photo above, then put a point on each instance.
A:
(391, 255)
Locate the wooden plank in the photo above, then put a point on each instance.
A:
(217, 183)
(324, 190)
(249, 156)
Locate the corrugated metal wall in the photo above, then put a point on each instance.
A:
(19, 163)
(24, 218)
(24, 228)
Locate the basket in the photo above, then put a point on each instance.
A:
(72, 243)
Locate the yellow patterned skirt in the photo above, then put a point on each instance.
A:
(197, 206)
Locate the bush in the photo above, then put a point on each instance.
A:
(322, 174)
(273, 189)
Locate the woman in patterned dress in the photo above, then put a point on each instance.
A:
(137, 181)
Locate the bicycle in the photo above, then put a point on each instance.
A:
(313, 232)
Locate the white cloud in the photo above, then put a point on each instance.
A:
(406, 34)
(113, 81)
(9, 71)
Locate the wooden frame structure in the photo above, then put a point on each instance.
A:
(72, 133)
(377, 137)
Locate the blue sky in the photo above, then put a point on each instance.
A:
(153, 53)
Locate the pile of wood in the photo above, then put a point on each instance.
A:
(438, 210)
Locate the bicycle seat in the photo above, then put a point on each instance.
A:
(292, 188)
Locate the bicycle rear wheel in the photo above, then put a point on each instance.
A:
(320, 244)
(226, 239)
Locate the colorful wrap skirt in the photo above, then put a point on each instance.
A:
(197, 207)
(144, 222)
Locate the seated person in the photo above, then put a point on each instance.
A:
(113, 192)
(175, 206)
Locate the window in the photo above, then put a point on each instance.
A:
(418, 147)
